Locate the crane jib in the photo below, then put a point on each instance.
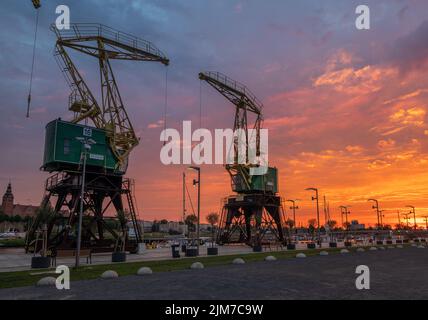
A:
(244, 100)
(105, 44)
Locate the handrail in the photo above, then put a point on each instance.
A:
(93, 30)
(222, 78)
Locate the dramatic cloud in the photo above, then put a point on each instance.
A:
(412, 116)
(355, 81)
(410, 52)
(346, 109)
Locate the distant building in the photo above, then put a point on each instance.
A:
(354, 226)
(205, 227)
(147, 226)
(172, 226)
(9, 208)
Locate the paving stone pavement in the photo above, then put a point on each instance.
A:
(394, 274)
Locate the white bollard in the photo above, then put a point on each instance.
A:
(46, 282)
(144, 271)
(238, 261)
(197, 265)
(270, 258)
(109, 274)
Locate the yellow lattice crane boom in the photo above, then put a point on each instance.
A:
(105, 44)
(245, 102)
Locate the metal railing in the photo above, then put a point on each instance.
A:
(91, 30)
(55, 180)
(220, 77)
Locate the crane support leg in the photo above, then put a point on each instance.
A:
(251, 219)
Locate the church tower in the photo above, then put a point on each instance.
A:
(7, 203)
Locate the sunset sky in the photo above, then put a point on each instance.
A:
(346, 109)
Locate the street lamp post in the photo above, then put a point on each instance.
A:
(345, 211)
(198, 182)
(184, 205)
(414, 215)
(406, 215)
(87, 144)
(426, 221)
(294, 207)
(376, 206)
(318, 212)
(382, 215)
(399, 220)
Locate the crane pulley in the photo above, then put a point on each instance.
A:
(36, 4)
(245, 102)
(105, 44)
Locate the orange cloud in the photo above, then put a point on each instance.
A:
(365, 80)
(340, 58)
(386, 144)
(273, 123)
(354, 149)
(156, 125)
(407, 96)
(411, 116)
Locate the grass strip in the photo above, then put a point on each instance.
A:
(30, 277)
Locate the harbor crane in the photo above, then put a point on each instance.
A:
(245, 102)
(255, 212)
(112, 136)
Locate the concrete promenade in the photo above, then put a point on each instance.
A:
(398, 273)
(18, 260)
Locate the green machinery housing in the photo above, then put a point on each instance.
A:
(63, 150)
(267, 183)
